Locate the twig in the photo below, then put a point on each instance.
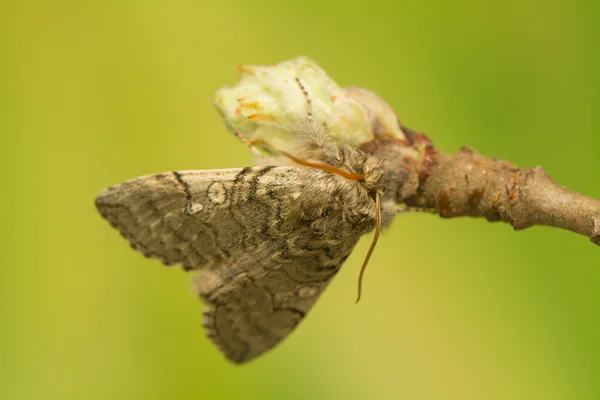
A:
(469, 184)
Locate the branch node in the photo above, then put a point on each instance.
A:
(595, 236)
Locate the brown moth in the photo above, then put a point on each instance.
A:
(265, 240)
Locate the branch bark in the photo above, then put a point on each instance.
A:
(467, 184)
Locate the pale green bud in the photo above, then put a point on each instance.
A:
(268, 102)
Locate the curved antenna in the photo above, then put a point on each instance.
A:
(377, 230)
(325, 167)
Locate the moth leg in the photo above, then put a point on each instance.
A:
(406, 209)
(251, 144)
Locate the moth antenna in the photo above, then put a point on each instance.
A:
(323, 167)
(250, 143)
(307, 97)
(377, 230)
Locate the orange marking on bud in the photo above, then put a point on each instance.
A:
(407, 167)
(250, 104)
(238, 110)
(246, 69)
(344, 120)
(333, 97)
(261, 118)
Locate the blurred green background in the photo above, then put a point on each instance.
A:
(96, 92)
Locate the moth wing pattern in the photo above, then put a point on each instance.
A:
(253, 311)
(198, 218)
(262, 259)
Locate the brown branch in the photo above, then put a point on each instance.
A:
(469, 184)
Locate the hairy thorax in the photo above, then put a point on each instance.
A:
(333, 206)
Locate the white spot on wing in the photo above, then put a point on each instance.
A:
(196, 207)
(307, 291)
(217, 193)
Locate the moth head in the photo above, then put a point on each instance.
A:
(374, 171)
(371, 168)
(366, 170)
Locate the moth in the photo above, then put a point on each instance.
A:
(265, 241)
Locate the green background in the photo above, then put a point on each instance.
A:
(96, 92)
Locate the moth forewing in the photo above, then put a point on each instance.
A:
(266, 241)
(196, 218)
